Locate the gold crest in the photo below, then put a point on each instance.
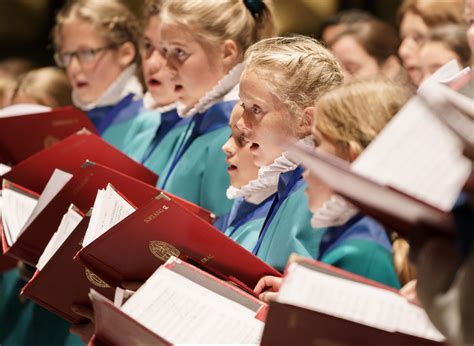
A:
(50, 141)
(95, 280)
(163, 250)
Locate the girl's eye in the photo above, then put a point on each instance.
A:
(180, 54)
(256, 110)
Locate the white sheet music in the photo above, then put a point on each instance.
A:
(418, 155)
(16, 209)
(181, 311)
(4, 169)
(55, 183)
(355, 301)
(68, 223)
(109, 209)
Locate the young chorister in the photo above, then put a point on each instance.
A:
(252, 192)
(282, 78)
(96, 42)
(345, 122)
(153, 134)
(204, 42)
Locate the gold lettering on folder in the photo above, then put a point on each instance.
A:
(155, 214)
(50, 141)
(162, 250)
(95, 280)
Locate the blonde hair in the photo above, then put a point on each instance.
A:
(352, 115)
(114, 21)
(217, 21)
(434, 12)
(47, 86)
(298, 68)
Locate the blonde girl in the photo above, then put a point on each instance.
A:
(204, 43)
(282, 79)
(346, 120)
(96, 42)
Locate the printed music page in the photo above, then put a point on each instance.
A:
(17, 207)
(55, 183)
(109, 209)
(354, 301)
(183, 312)
(68, 223)
(416, 154)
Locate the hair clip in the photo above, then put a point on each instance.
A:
(254, 6)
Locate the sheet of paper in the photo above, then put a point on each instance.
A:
(16, 209)
(4, 169)
(416, 154)
(68, 223)
(181, 311)
(55, 183)
(109, 209)
(354, 301)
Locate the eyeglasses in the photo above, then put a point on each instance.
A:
(85, 56)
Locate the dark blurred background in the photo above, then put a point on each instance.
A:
(25, 25)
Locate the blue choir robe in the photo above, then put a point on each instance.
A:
(153, 138)
(23, 322)
(287, 227)
(198, 170)
(360, 246)
(246, 220)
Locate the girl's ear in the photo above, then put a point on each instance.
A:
(353, 150)
(126, 54)
(230, 54)
(306, 121)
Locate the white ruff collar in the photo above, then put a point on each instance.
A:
(226, 89)
(126, 83)
(150, 104)
(257, 190)
(334, 212)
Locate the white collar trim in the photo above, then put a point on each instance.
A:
(334, 212)
(126, 83)
(226, 89)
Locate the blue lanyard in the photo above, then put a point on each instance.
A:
(215, 117)
(278, 200)
(168, 121)
(110, 116)
(243, 215)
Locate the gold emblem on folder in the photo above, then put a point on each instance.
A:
(95, 280)
(50, 141)
(163, 250)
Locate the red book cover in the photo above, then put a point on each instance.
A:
(81, 191)
(69, 155)
(63, 282)
(161, 228)
(25, 135)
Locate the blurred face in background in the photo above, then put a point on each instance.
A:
(469, 15)
(412, 31)
(434, 55)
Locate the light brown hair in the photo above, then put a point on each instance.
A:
(216, 21)
(434, 12)
(298, 68)
(47, 86)
(114, 21)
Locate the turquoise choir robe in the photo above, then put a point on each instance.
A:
(360, 246)
(23, 322)
(198, 171)
(287, 227)
(153, 138)
(246, 220)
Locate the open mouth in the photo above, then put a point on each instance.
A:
(152, 82)
(231, 168)
(178, 88)
(254, 147)
(81, 84)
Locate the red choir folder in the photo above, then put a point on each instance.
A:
(81, 191)
(114, 327)
(401, 212)
(63, 282)
(68, 155)
(25, 135)
(162, 228)
(288, 324)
